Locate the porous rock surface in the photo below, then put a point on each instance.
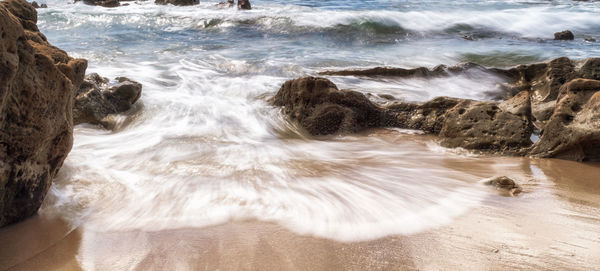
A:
(557, 100)
(97, 98)
(37, 82)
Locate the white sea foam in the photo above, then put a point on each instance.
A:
(206, 147)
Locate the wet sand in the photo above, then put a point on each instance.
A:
(554, 224)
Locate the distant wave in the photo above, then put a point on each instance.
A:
(530, 22)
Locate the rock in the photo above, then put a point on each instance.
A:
(244, 4)
(564, 35)
(37, 82)
(322, 109)
(98, 98)
(590, 39)
(36, 5)
(228, 4)
(487, 126)
(177, 2)
(505, 183)
(422, 72)
(428, 117)
(555, 99)
(573, 131)
(102, 3)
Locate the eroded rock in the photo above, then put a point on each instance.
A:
(37, 82)
(322, 109)
(98, 98)
(573, 131)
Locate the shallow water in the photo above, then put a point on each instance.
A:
(204, 162)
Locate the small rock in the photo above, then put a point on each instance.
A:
(505, 183)
(44, 6)
(244, 4)
(177, 2)
(590, 39)
(96, 99)
(564, 35)
(103, 3)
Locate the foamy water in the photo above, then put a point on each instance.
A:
(203, 147)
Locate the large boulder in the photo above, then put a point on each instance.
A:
(37, 82)
(573, 131)
(97, 98)
(322, 109)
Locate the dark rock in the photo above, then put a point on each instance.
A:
(35, 4)
(573, 131)
(102, 3)
(37, 82)
(97, 98)
(244, 4)
(505, 183)
(322, 109)
(437, 71)
(564, 35)
(590, 39)
(177, 2)
(228, 4)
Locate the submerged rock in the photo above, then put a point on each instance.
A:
(242, 4)
(103, 3)
(97, 98)
(564, 35)
(37, 82)
(322, 109)
(505, 183)
(177, 2)
(441, 70)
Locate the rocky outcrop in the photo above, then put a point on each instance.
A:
(557, 100)
(177, 2)
(37, 82)
(97, 98)
(440, 70)
(564, 35)
(322, 109)
(573, 130)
